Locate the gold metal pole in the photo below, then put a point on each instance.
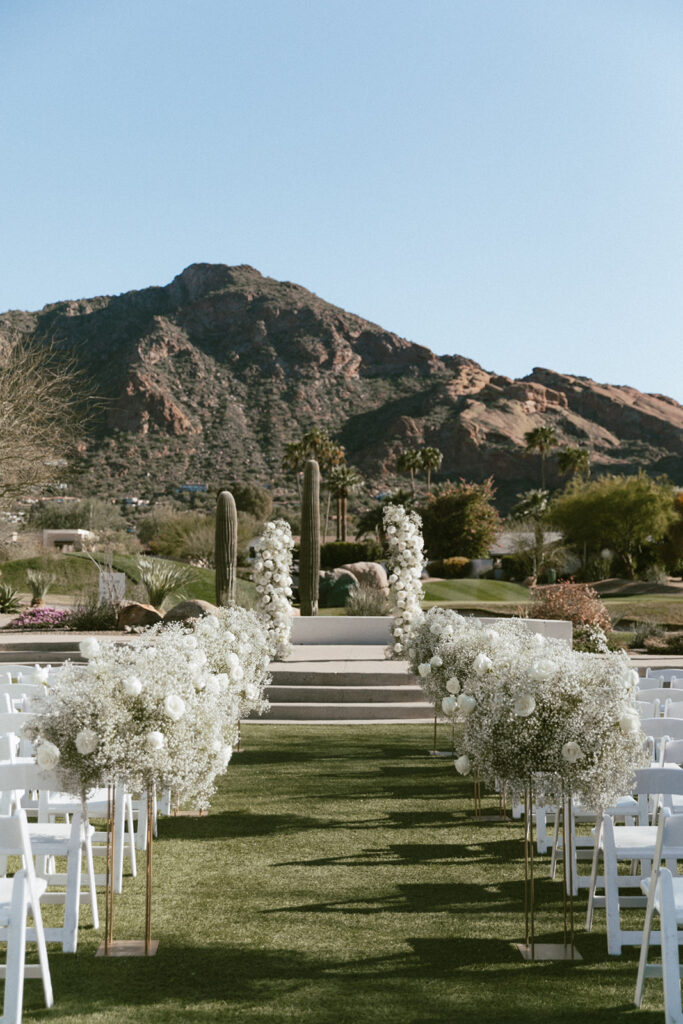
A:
(562, 809)
(531, 870)
(148, 899)
(526, 865)
(570, 811)
(107, 885)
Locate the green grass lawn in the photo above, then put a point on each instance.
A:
(467, 591)
(341, 879)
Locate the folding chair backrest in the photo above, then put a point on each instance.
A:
(25, 776)
(648, 708)
(658, 693)
(659, 727)
(672, 751)
(677, 681)
(13, 721)
(664, 674)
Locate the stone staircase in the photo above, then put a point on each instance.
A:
(41, 650)
(343, 683)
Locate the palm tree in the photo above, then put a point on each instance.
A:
(407, 462)
(294, 459)
(533, 506)
(342, 480)
(575, 461)
(541, 440)
(430, 459)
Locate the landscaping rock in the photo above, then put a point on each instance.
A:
(135, 614)
(369, 574)
(189, 610)
(335, 587)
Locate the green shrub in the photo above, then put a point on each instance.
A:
(252, 499)
(91, 613)
(9, 599)
(161, 579)
(341, 552)
(460, 517)
(364, 600)
(455, 568)
(39, 583)
(669, 643)
(92, 514)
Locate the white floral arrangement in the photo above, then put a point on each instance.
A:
(236, 643)
(403, 531)
(272, 574)
(530, 708)
(147, 713)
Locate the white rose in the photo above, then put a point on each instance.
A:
(89, 647)
(40, 675)
(481, 664)
(491, 635)
(631, 678)
(453, 685)
(132, 686)
(237, 672)
(47, 755)
(231, 660)
(436, 628)
(199, 683)
(154, 740)
(541, 670)
(425, 669)
(572, 752)
(466, 704)
(448, 706)
(174, 706)
(524, 705)
(462, 765)
(436, 661)
(398, 648)
(629, 722)
(87, 741)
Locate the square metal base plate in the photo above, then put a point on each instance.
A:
(549, 951)
(128, 947)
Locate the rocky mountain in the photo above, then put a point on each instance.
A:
(207, 378)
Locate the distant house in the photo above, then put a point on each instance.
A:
(66, 540)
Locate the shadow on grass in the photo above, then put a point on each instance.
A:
(238, 824)
(226, 982)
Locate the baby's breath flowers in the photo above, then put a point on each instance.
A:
(405, 559)
(273, 579)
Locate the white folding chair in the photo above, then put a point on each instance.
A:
(19, 898)
(664, 675)
(648, 708)
(64, 804)
(21, 694)
(668, 903)
(633, 843)
(50, 839)
(660, 729)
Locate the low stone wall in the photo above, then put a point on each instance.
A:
(376, 629)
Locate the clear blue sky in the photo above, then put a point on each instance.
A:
(497, 178)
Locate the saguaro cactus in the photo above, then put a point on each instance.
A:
(309, 552)
(226, 548)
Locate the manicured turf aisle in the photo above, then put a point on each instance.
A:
(340, 878)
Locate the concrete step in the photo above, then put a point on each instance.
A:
(341, 677)
(386, 712)
(368, 694)
(39, 656)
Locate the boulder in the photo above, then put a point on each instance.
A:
(369, 574)
(335, 586)
(189, 610)
(135, 614)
